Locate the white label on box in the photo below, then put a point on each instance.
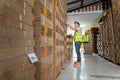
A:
(20, 17)
(24, 11)
(33, 58)
(24, 4)
(21, 25)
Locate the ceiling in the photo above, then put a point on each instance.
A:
(76, 4)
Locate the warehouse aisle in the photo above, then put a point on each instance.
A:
(93, 68)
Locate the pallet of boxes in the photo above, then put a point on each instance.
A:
(16, 40)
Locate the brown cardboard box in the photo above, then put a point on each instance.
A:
(3, 30)
(15, 52)
(4, 42)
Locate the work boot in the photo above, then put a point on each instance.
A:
(77, 64)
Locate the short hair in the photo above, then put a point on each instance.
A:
(77, 23)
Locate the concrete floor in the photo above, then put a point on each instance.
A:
(93, 68)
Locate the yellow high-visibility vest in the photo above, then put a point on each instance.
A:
(86, 38)
(77, 36)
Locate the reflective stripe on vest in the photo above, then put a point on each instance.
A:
(78, 36)
(86, 38)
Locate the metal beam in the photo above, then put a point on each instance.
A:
(106, 4)
(83, 6)
(82, 2)
(73, 2)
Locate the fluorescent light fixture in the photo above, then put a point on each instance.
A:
(83, 25)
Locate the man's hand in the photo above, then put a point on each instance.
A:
(67, 24)
(73, 28)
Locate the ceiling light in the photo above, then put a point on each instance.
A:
(83, 25)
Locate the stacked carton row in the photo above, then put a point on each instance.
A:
(49, 34)
(109, 32)
(60, 33)
(16, 40)
(100, 41)
(93, 39)
(43, 35)
(107, 37)
(116, 16)
(88, 48)
(69, 47)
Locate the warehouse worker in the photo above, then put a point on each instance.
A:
(85, 40)
(77, 40)
(86, 37)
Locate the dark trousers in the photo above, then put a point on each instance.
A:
(77, 47)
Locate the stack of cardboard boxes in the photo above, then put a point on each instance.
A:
(93, 40)
(116, 16)
(69, 47)
(43, 35)
(49, 33)
(32, 26)
(16, 40)
(106, 38)
(60, 33)
(109, 32)
(108, 42)
(100, 41)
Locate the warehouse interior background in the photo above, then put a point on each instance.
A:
(88, 17)
(36, 44)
